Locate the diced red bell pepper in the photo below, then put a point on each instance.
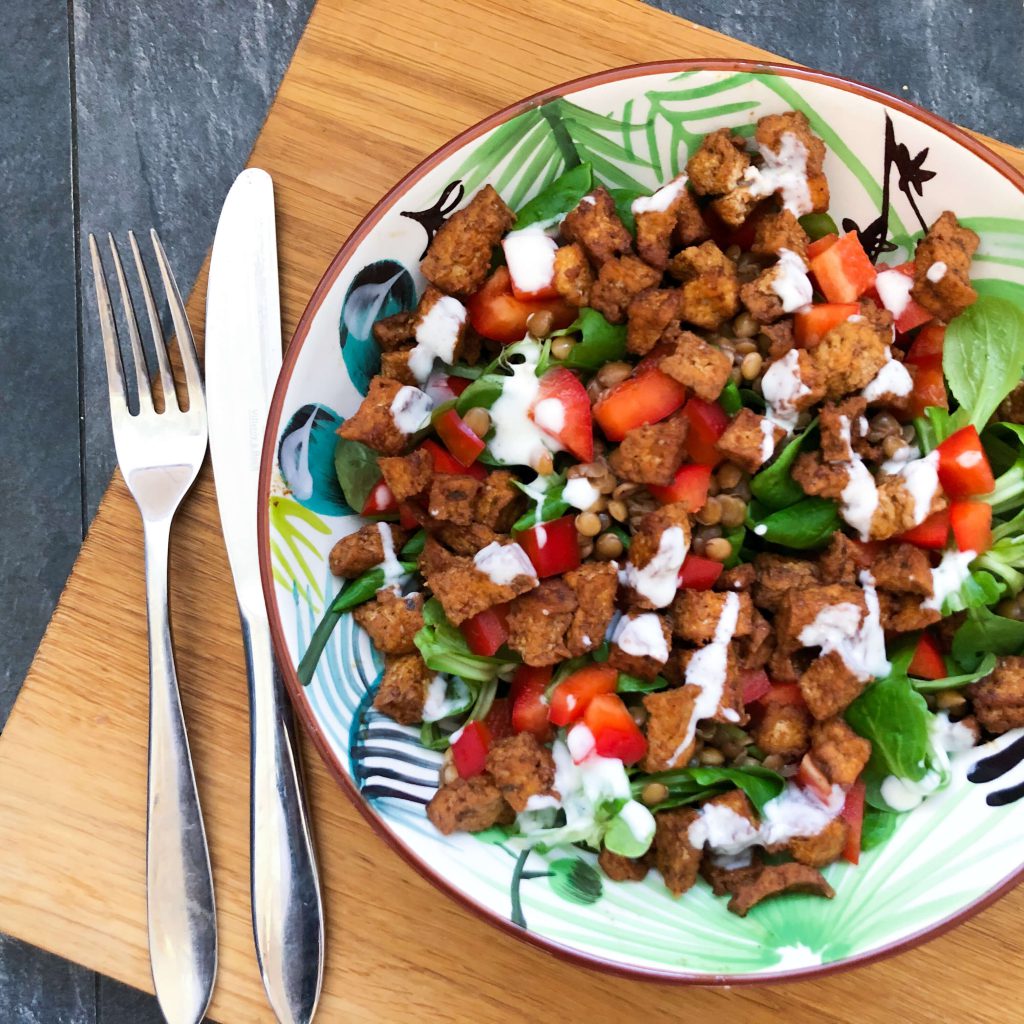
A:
(927, 662)
(724, 235)
(552, 547)
(469, 750)
(486, 631)
(410, 515)
(707, 423)
(572, 696)
(819, 245)
(445, 463)
(912, 315)
(783, 693)
(853, 814)
(931, 534)
(456, 385)
(499, 719)
(811, 777)
(926, 348)
(812, 323)
(616, 734)
(496, 313)
(865, 551)
(573, 426)
(537, 247)
(689, 487)
(699, 573)
(929, 389)
(964, 470)
(755, 685)
(843, 271)
(529, 712)
(647, 397)
(971, 522)
(380, 501)
(462, 442)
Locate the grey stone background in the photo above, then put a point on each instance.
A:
(131, 113)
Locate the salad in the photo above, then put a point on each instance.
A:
(693, 536)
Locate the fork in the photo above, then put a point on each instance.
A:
(159, 454)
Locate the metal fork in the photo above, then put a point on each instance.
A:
(159, 455)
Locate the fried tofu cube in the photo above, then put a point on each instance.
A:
(622, 869)
(407, 475)
(772, 129)
(843, 427)
(850, 355)
(635, 647)
(818, 478)
(829, 687)
(595, 585)
(903, 613)
(776, 231)
(403, 688)
(459, 257)
(675, 856)
(656, 227)
(538, 622)
(697, 364)
(777, 575)
(573, 275)
(750, 440)
(822, 848)
(648, 536)
(361, 551)
(619, 281)
(521, 767)
(499, 503)
(942, 267)
(696, 613)
(761, 299)
(392, 621)
(649, 314)
(453, 497)
(718, 164)
(468, 805)
(840, 562)
(395, 366)
(839, 751)
(999, 697)
(669, 713)
(903, 569)
(651, 454)
(595, 226)
(396, 331)
(373, 423)
(784, 730)
(798, 609)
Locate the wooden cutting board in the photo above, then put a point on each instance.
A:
(372, 89)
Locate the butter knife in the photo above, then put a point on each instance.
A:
(243, 358)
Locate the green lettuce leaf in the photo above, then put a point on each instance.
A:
(558, 198)
(774, 486)
(600, 342)
(687, 785)
(808, 524)
(357, 470)
(895, 718)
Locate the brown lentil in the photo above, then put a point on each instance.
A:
(734, 510)
(746, 348)
(742, 490)
(745, 326)
(607, 546)
(949, 699)
(697, 545)
(909, 432)
(774, 761)
(654, 793)
(639, 714)
(613, 373)
(735, 376)
(617, 509)
(714, 486)
(882, 426)
(544, 464)
(449, 773)
(588, 524)
(539, 324)
(718, 549)
(751, 365)
(711, 513)
(892, 444)
(709, 755)
(728, 475)
(560, 347)
(1011, 608)
(478, 420)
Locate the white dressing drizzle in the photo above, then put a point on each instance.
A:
(948, 577)
(410, 409)
(530, 255)
(892, 379)
(946, 738)
(658, 580)
(517, 440)
(393, 571)
(783, 388)
(662, 199)
(790, 281)
(936, 272)
(894, 291)
(784, 171)
(436, 336)
(859, 498)
(502, 563)
(767, 439)
(642, 636)
(580, 492)
(549, 415)
(921, 478)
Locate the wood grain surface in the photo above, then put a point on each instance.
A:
(372, 89)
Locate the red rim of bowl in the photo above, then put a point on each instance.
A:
(295, 689)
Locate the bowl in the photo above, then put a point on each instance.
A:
(893, 168)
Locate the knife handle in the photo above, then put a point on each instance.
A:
(287, 910)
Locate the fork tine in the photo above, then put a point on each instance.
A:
(166, 376)
(111, 351)
(141, 369)
(186, 343)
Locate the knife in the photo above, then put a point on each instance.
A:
(243, 358)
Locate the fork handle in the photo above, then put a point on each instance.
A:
(287, 910)
(179, 882)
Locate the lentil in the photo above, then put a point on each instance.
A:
(478, 420)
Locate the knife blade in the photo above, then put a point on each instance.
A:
(243, 359)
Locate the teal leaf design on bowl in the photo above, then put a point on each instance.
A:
(377, 291)
(305, 455)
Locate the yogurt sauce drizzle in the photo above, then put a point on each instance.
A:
(580, 492)
(517, 440)
(707, 670)
(783, 388)
(894, 291)
(410, 409)
(790, 283)
(892, 379)
(530, 255)
(860, 495)
(936, 272)
(393, 571)
(502, 563)
(784, 171)
(436, 336)
(658, 580)
(949, 576)
(642, 637)
(662, 199)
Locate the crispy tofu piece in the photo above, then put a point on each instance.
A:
(776, 879)
(818, 478)
(403, 688)
(745, 441)
(739, 577)
(829, 687)
(691, 227)
(469, 805)
(539, 620)
(619, 281)
(800, 607)
(647, 539)
(777, 575)
(843, 426)
(521, 767)
(372, 424)
(999, 697)
(392, 621)
(675, 856)
(697, 364)
(718, 164)
(840, 562)
(903, 569)
(698, 260)
(668, 720)
(595, 585)
(761, 299)
(596, 227)
(622, 869)
(850, 355)
(695, 615)
(784, 729)
(573, 275)
(896, 511)
(499, 503)
(730, 710)
(464, 540)
(772, 128)
(452, 498)
(711, 290)
(651, 454)
(361, 551)
(655, 229)
(736, 206)
(775, 231)
(648, 315)
(643, 666)
(396, 331)
(948, 247)
(735, 800)
(839, 751)
(780, 341)
(823, 848)
(408, 475)
(459, 257)
(754, 652)
(462, 589)
(395, 366)
(902, 613)
(725, 881)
